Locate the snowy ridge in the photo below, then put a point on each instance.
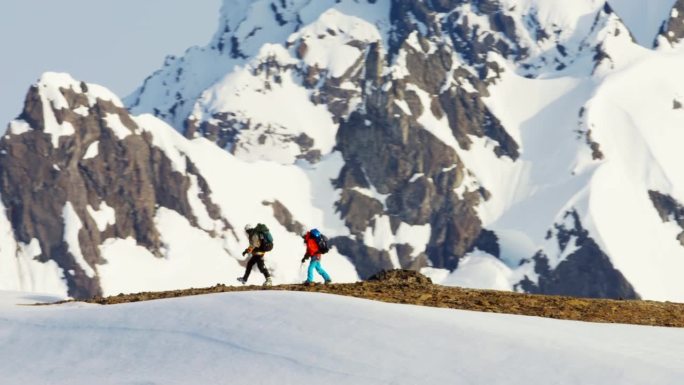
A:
(636, 84)
(244, 28)
(269, 101)
(268, 340)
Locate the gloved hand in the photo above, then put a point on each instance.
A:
(305, 258)
(245, 252)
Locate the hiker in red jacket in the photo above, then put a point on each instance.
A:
(316, 245)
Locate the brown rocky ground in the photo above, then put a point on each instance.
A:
(408, 287)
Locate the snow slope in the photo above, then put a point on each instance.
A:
(623, 103)
(294, 338)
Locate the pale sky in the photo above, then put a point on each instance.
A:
(115, 43)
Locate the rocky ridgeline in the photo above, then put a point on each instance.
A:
(410, 287)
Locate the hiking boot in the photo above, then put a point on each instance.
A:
(241, 280)
(327, 281)
(268, 282)
(308, 283)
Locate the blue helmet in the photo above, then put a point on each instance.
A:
(315, 233)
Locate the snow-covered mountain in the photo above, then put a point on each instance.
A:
(98, 201)
(278, 337)
(525, 145)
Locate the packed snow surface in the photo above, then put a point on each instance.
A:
(296, 338)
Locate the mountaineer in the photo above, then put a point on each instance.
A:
(316, 246)
(260, 241)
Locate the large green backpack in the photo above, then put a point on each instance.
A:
(265, 237)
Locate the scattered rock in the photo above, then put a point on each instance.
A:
(401, 276)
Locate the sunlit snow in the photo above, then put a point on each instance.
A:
(282, 337)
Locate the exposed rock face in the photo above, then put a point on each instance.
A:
(585, 271)
(669, 210)
(398, 276)
(285, 218)
(222, 131)
(104, 163)
(385, 146)
(387, 154)
(672, 30)
(367, 260)
(585, 132)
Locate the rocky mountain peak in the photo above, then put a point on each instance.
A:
(76, 169)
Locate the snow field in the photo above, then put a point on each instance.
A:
(292, 338)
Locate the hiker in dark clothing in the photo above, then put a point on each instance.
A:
(258, 246)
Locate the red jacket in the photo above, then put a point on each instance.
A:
(311, 247)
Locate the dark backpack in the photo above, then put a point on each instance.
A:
(265, 237)
(321, 241)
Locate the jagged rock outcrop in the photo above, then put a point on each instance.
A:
(672, 30)
(669, 210)
(285, 218)
(387, 153)
(398, 276)
(76, 162)
(582, 269)
(385, 146)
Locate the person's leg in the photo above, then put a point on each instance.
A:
(248, 269)
(262, 267)
(310, 273)
(322, 272)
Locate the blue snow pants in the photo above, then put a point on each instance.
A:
(316, 264)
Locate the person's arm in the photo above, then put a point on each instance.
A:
(253, 243)
(307, 253)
